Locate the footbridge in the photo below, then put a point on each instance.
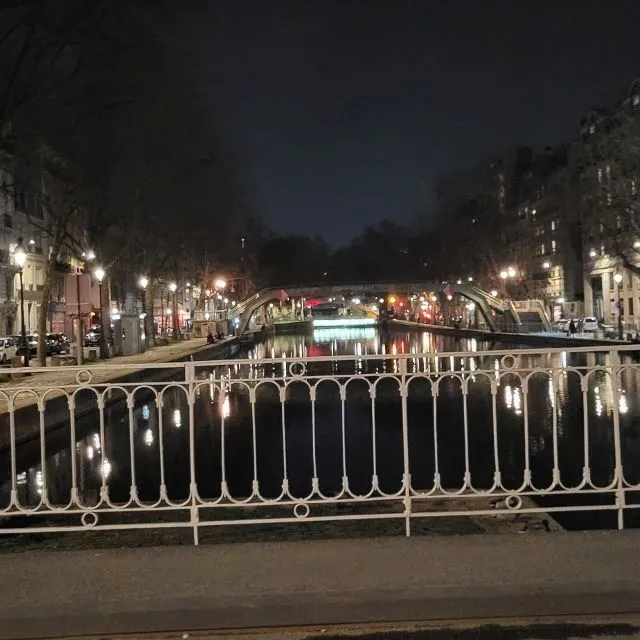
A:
(498, 313)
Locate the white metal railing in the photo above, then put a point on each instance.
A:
(295, 439)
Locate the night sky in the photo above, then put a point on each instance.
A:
(345, 112)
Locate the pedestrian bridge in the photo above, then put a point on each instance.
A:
(499, 314)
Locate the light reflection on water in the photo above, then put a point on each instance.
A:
(220, 401)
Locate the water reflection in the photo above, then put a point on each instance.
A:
(513, 399)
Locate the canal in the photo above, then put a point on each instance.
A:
(313, 443)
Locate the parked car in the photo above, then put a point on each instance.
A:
(57, 343)
(92, 338)
(8, 349)
(590, 324)
(561, 325)
(32, 344)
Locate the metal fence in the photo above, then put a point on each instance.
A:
(314, 439)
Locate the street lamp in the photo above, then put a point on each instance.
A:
(617, 277)
(99, 274)
(173, 287)
(220, 283)
(20, 257)
(143, 282)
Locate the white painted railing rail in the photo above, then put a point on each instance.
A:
(329, 438)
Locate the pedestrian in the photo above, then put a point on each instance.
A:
(209, 338)
(572, 327)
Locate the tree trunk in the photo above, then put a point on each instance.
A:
(149, 328)
(47, 287)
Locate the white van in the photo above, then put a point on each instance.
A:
(8, 349)
(590, 324)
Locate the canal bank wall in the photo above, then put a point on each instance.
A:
(27, 418)
(532, 339)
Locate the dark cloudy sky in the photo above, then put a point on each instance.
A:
(344, 112)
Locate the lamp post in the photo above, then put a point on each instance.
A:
(618, 280)
(89, 256)
(20, 257)
(173, 287)
(99, 274)
(220, 284)
(508, 274)
(143, 283)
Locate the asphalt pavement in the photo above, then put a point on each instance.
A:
(321, 582)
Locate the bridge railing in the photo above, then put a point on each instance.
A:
(404, 438)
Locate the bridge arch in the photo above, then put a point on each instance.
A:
(487, 304)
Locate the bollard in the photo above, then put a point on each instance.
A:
(16, 363)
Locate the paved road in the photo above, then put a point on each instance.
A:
(277, 584)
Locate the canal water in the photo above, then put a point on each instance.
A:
(313, 442)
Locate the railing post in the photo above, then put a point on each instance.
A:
(189, 377)
(406, 477)
(614, 358)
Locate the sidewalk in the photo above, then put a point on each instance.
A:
(178, 589)
(105, 370)
(534, 339)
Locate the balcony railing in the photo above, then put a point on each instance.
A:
(267, 441)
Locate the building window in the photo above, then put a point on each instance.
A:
(600, 174)
(542, 249)
(553, 225)
(8, 221)
(553, 246)
(636, 101)
(630, 306)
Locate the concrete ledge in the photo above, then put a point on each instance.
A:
(318, 582)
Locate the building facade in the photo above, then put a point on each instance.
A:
(610, 198)
(22, 218)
